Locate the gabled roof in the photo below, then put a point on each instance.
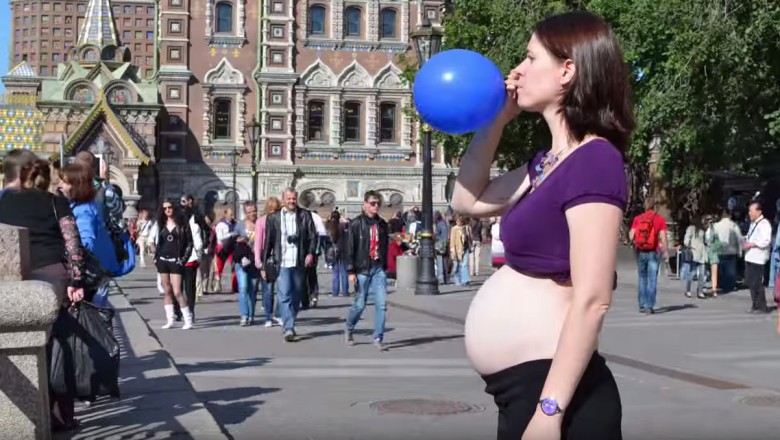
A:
(102, 108)
(22, 70)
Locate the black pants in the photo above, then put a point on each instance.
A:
(595, 411)
(188, 286)
(754, 277)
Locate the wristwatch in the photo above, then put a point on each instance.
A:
(549, 406)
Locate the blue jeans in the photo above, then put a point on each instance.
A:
(440, 269)
(375, 282)
(647, 264)
(292, 286)
(691, 269)
(460, 270)
(340, 279)
(268, 292)
(247, 291)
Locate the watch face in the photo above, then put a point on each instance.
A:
(549, 406)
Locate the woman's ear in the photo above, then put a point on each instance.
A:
(568, 70)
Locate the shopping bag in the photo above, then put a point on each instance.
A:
(83, 353)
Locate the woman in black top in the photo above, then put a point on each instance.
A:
(56, 253)
(171, 252)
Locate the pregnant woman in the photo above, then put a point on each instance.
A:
(532, 329)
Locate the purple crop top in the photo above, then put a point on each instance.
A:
(535, 232)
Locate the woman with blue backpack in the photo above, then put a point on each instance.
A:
(76, 185)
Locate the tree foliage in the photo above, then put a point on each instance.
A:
(706, 75)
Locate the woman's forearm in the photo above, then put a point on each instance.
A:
(474, 173)
(578, 341)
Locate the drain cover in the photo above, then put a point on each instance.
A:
(423, 407)
(772, 400)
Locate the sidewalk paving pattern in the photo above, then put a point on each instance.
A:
(698, 369)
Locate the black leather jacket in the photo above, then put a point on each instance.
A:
(307, 236)
(184, 236)
(357, 256)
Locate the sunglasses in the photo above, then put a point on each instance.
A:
(166, 207)
(375, 203)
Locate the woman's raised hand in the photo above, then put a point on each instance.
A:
(511, 109)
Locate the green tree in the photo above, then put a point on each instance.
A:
(705, 78)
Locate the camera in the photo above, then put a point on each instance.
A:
(293, 239)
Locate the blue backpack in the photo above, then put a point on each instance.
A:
(128, 263)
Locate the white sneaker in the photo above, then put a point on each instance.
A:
(269, 324)
(168, 325)
(278, 321)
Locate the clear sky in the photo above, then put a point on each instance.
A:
(5, 37)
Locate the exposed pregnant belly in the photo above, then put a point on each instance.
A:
(513, 319)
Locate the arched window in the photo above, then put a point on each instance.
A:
(387, 23)
(352, 122)
(317, 20)
(386, 122)
(316, 120)
(224, 17)
(352, 21)
(222, 118)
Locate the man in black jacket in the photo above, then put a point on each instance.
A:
(366, 260)
(290, 244)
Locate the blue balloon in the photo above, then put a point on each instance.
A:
(459, 91)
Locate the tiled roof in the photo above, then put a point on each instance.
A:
(22, 70)
(98, 28)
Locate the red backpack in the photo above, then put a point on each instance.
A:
(645, 236)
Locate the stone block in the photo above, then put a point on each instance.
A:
(27, 305)
(24, 399)
(29, 309)
(14, 253)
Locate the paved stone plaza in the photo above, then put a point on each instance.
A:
(698, 369)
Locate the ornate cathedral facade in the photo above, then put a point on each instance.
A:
(322, 79)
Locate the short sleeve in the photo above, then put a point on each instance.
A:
(597, 175)
(661, 226)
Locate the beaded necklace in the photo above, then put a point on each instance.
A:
(548, 160)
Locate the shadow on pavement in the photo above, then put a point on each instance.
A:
(155, 398)
(669, 309)
(232, 406)
(222, 365)
(411, 342)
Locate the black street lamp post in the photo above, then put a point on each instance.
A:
(427, 42)
(254, 140)
(234, 164)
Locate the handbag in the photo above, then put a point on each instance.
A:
(271, 270)
(94, 275)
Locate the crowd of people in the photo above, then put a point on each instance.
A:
(191, 251)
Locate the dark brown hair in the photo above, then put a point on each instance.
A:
(79, 177)
(36, 175)
(371, 194)
(598, 99)
(15, 161)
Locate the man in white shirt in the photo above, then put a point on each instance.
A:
(290, 245)
(730, 238)
(756, 246)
